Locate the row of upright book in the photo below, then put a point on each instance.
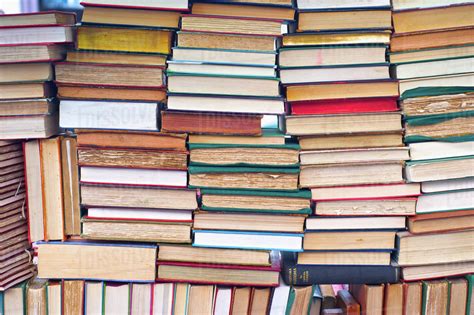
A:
(218, 147)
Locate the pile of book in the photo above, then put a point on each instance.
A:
(435, 69)
(344, 112)
(15, 256)
(29, 43)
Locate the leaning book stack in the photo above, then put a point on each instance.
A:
(435, 72)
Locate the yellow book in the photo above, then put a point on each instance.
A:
(124, 39)
(336, 38)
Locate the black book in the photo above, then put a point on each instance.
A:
(295, 274)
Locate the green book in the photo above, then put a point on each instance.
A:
(436, 91)
(470, 287)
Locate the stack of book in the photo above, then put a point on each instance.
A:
(29, 43)
(435, 69)
(223, 77)
(15, 257)
(344, 112)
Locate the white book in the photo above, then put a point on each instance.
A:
(223, 301)
(290, 76)
(149, 4)
(280, 299)
(93, 298)
(446, 80)
(220, 56)
(351, 223)
(423, 4)
(431, 170)
(438, 202)
(34, 189)
(340, 4)
(150, 214)
(448, 185)
(117, 299)
(163, 298)
(226, 104)
(36, 35)
(439, 150)
(141, 298)
(248, 240)
(133, 176)
(108, 115)
(435, 68)
(203, 68)
(54, 298)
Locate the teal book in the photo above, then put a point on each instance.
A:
(470, 288)
(436, 91)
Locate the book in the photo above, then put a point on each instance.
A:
(434, 248)
(431, 54)
(257, 178)
(335, 38)
(405, 4)
(358, 105)
(137, 4)
(36, 296)
(116, 298)
(344, 20)
(268, 136)
(435, 296)
(380, 207)
(370, 297)
(356, 140)
(447, 185)
(248, 240)
(139, 214)
(427, 105)
(190, 254)
(227, 104)
(115, 58)
(439, 150)
(323, 223)
(296, 274)
(130, 17)
(334, 74)
(439, 81)
(458, 291)
(304, 125)
(39, 106)
(376, 258)
(201, 299)
(211, 123)
(248, 222)
(244, 10)
(422, 69)
(441, 221)
(365, 192)
(52, 18)
(449, 201)
(124, 39)
(109, 75)
(347, 303)
(394, 298)
(226, 41)
(340, 4)
(22, 72)
(36, 35)
(354, 155)
(236, 85)
(410, 21)
(279, 299)
(450, 127)
(219, 274)
(141, 298)
(163, 292)
(123, 139)
(108, 115)
(412, 273)
(70, 180)
(131, 229)
(300, 300)
(325, 91)
(30, 126)
(32, 53)
(55, 296)
(72, 296)
(446, 168)
(200, 68)
(350, 174)
(93, 296)
(412, 297)
(224, 56)
(348, 240)
(118, 262)
(71, 91)
(240, 155)
(137, 197)
(296, 57)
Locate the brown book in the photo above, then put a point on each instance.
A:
(350, 240)
(260, 301)
(226, 41)
(11, 91)
(393, 299)
(36, 297)
(130, 139)
(29, 126)
(436, 295)
(409, 21)
(40, 18)
(181, 297)
(459, 126)
(344, 20)
(412, 296)
(107, 57)
(302, 302)
(429, 105)
(73, 293)
(133, 158)
(422, 272)
(138, 197)
(442, 38)
(201, 299)
(72, 211)
(254, 11)
(241, 300)
(370, 298)
(399, 206)
(39, 106)
(329, 296)
(458, 296)
(345, 141)
(109, 75)
(227, 124)
(441, 221)
(24, 72)
(71, 91)
(347, 303)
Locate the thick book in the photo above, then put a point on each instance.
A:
(118, 262)
(32, 53)
(344, 20)
(357, 105)
(423, 272)
(431, 54)
(227, 41)
(295, 274)
(52, 18)
(422, 69)
(441, 221)
(365, 192)
(36, 35)
(211, 123)
(33, 107)
(29, 126)
(24, 72)
(380, 207)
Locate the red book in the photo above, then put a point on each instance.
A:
(344, 106)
